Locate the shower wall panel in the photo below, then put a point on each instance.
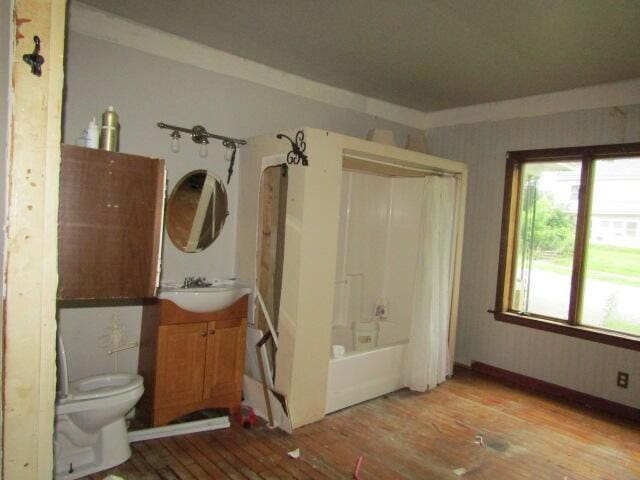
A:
(377, 251)
(401, 257)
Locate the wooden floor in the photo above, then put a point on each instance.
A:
(469, 428)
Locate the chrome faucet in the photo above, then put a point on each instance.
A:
(195, 282)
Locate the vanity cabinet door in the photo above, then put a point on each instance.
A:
(180, 364)
(225, 357)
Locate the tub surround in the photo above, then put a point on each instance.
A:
(377, 252)
(311, 248)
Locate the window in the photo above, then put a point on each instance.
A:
(570, 252)
(574, 192)
(632, 229)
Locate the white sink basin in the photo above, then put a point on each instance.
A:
(203, 299)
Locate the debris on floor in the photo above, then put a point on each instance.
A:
(356, 473)
(246, 416)
(479, 440)
(460, 471)
(294, 453)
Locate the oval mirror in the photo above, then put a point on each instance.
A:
(196, 211)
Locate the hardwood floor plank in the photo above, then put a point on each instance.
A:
(184, 458)
(408, 435)
(207, 465)
(206, 445)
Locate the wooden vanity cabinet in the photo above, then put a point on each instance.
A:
(109, 224)
(190, 361)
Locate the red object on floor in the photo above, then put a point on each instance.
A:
(356, 474)
(246, 417)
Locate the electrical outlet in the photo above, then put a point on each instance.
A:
(623, 379)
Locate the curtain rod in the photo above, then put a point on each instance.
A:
(427, 171)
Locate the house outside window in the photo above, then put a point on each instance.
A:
(570, 252)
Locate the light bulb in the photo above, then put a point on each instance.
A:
(203, 149)
(228, 154)
(175, 141)
(175, 144)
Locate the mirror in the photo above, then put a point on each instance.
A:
(196, 211)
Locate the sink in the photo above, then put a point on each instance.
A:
(203, 299)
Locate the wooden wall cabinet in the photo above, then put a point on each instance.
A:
(190, 361)
(109, 224)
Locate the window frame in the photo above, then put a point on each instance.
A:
(508, 241)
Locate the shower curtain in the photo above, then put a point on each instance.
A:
(428, 350)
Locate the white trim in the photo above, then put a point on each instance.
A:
(615, 94)
(104, 26)
(178, 429)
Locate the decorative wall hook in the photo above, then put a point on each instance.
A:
(296, 155)
(35, 60)
(231, 147)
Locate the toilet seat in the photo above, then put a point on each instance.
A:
(102, 386)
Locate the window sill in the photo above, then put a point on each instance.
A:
(609, 338)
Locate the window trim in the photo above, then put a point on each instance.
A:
(508, 241)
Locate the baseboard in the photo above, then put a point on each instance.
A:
(551, 389)
(463, 366)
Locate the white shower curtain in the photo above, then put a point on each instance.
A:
(428, 350)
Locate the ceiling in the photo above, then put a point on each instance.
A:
(424, 54)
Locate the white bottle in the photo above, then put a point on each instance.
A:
(93, 134)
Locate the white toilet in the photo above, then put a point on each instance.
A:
(90, 430)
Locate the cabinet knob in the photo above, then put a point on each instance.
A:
(212, 332)
(204, 334)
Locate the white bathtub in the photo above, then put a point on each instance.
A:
(360, 376)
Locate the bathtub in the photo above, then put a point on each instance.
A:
(360, 376)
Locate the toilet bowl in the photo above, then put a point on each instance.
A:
(90, 429)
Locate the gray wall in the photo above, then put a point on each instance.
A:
(144, 90)
(578, 364)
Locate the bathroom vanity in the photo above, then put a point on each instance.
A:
(190, 360)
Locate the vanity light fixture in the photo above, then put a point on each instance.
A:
(201, 136)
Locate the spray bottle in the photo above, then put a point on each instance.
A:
(92, 134)
(110, 130)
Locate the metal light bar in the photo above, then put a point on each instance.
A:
(199, 134)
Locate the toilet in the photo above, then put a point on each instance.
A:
(90, 429)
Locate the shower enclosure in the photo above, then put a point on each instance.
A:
(369, 269)
(382, 317)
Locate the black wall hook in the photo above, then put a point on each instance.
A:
(35, 60)
(296, 155)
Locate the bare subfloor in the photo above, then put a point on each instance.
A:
(469, 428)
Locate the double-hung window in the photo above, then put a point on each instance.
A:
(570, 249)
